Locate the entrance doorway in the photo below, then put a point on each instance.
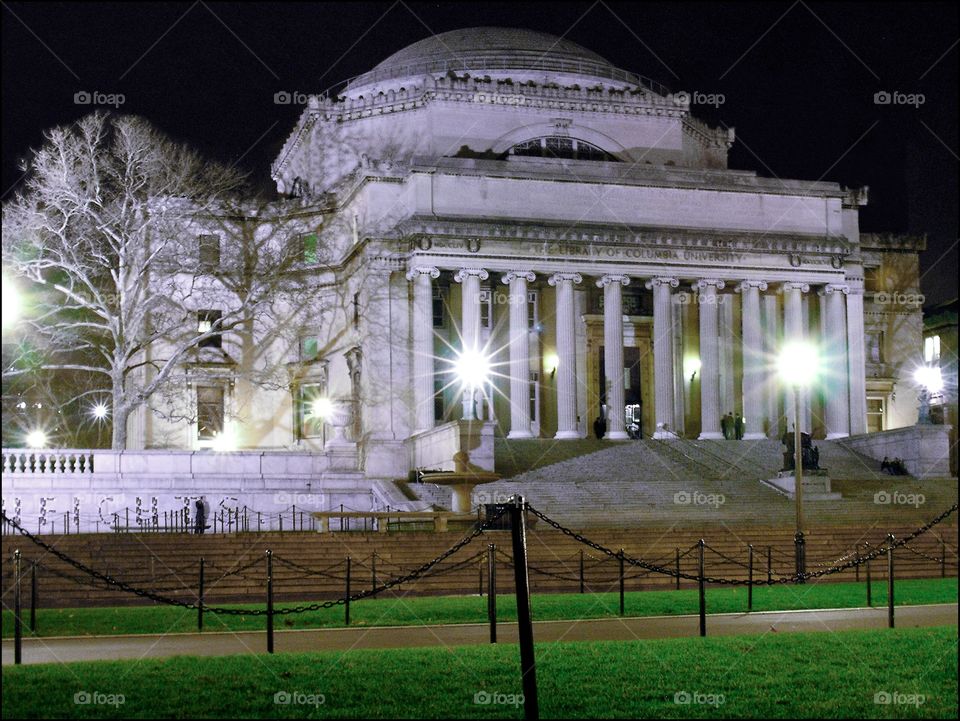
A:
(632, 395)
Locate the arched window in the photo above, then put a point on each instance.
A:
(555, 146)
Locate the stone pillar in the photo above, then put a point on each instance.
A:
(613, 353)
(753, 359)
(725, 334)
(857, 360)
(470, 325)
(566, 352)
(709, 358)
(771, 345)
(835, 361)
(519, 353)
(422, 322)
(663, 370)
(793, 333)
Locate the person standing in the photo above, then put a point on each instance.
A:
(738, 427)
(201, 517)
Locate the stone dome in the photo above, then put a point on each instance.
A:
(516, 53)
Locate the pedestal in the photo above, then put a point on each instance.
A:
(816, 485)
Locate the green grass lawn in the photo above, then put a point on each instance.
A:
(821, 675)
(391, 610)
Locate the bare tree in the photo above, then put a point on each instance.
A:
(125, 237)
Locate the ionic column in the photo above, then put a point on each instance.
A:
(470, 279)
(835, 362)
(793, 333)
(663, 371)
(771, 346)
(422, 277)
(709, 358)
(857, 359)
(519, 353)
(753, 361)
(613, 353)
(566, 352)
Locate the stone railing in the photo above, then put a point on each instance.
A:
(924, 449)
(59, 461)
(434, 449)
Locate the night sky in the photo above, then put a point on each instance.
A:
(799, 81)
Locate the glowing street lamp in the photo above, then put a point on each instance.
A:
(322, 408)
(930, 381)
(473, 371)
(799, 365)
(36, 439)
(99, 411)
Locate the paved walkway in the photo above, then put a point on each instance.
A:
(63, 649)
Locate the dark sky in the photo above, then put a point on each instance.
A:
(799, 80)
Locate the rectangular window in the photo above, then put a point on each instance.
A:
(308, 248)
(437, 397)
(875, 346)
(931, 348)
(208, 320)
(439, 318)
(309, 348)
(209, 412)
(486, 308)
(309, 413)
(871, 279)
(875, 421)
(209, 251)
(356, 310)
(534, 381)
(533, 312)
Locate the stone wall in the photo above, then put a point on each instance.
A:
(924, 449)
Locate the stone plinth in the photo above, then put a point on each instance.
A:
(816, 485)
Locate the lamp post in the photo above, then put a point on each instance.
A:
(930, 381)
(799, 365)
(473, 370)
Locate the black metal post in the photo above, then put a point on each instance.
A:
(769, 564)
(480, 577)
(373, 566)
(749, 576)
(200, 599)
(856, 566)
(528, 666)
(346, 604)
(800, 553)
(703, 595)
(890, 540)
(869, 584)
(259, 522)
(943, 559)
(492, 591)
(33, 598)
(581, 572)
(269, 601)
(678, 567)
(620, 558)
(17, 619)
(293, 515)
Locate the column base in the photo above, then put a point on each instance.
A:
(663, 435)
(835, 436)
(754, 437)
(567, 435)
(710, 436)
(519, 434)
(616, 436)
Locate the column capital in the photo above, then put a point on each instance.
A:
(705, 283)
(659, 280)
(464, 273)
(417, 270)
(606, 280)
(527, 275)
(559, 277)
(793, 285)
(744, 284)
(831, 288)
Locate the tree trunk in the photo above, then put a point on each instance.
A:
(121, 413)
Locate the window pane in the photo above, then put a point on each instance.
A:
(309, 347)
(311, 424)
(308, 248)
(208, 320)
(438, 315)
(209, 412)
(209, 250)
